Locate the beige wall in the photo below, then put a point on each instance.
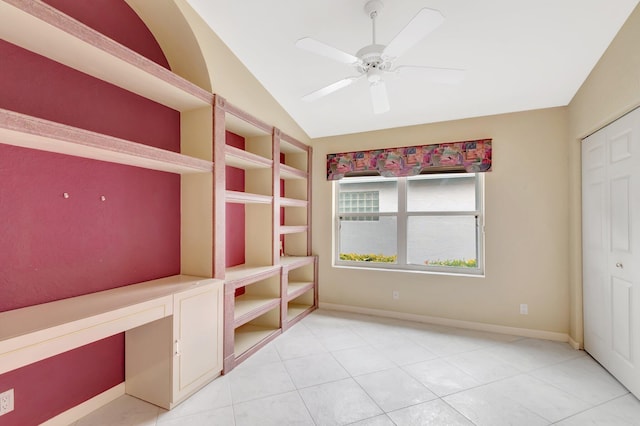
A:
(526, 228)
(611, 90)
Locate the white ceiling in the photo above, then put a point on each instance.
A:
(518, 55)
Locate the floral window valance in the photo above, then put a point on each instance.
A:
(468, 156)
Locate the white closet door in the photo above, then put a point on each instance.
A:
(611, 253)
(595, 247)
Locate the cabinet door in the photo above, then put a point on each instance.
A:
(198, 339)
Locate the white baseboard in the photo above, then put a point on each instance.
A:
(575, 344)
(470, 325)
(76, 413)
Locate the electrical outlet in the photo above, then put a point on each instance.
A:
(396, 294)
(6, 402)
(524, 309)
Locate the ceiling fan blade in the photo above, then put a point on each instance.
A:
(435, 75)
(340, 84)
(425, 21)
(379, 97)
(319, 48)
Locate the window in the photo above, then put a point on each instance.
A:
(426, 222)
(359, 202)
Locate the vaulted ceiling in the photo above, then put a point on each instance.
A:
(517, 55)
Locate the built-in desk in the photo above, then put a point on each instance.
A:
(176, 320)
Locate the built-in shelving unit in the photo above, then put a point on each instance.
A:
(278, 291)
(42, 29)
(157, 311)
(259, 304)
(299, 268)
(295, 169)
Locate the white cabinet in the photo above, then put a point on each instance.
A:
(611, 248)
(169, 359)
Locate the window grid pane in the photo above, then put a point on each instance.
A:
(359, 202)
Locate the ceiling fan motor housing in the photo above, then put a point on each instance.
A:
(371, 59)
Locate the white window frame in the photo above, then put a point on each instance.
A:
(402, 216)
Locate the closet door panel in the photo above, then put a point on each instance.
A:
(611, 270)
(621, 319)
(620, 215)
(595, 233)
(623, 139)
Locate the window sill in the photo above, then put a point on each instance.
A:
(372, 267)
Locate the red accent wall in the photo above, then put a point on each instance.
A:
(34, 85)
(116, 20)
(282, 194)
(43, 390)
(55, 247)
(235, 223)
(52, 247)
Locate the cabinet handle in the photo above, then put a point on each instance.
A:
(619, 265)
(177, 348)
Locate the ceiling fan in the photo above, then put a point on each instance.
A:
(376, 60)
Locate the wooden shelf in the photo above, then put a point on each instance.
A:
(289, 145)
(239, 197)
(292, 262)
(241, 122)
(293, 229)
(241, 159)
(37, 332)
(295, 310)
(249, 336)
(31, 132)
(295, 289)
(40, 28)
(244, 128)
(242, 275)
(292, 202)
(250, 307)
(290, 173)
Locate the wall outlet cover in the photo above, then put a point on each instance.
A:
(6, 402)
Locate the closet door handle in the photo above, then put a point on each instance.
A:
(619, 265)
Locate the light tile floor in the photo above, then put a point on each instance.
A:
(338, 368)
